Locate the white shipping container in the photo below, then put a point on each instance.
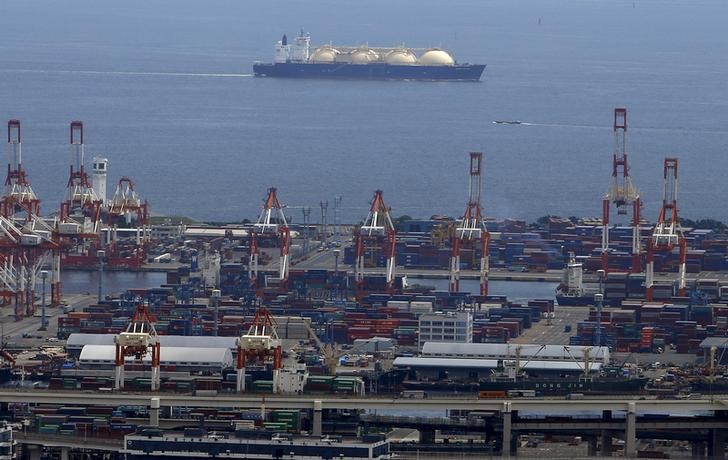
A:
(69, 227)
(420, 307)
(399, 304)
(30, 240)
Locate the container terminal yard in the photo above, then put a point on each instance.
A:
(281, 340)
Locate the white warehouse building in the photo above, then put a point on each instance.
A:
(77, 341)
(181, 358)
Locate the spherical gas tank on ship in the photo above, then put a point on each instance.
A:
(364, 56)
(401, 56)
(324, 55)
(436, 57)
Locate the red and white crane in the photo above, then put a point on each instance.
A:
(260, 344)
(80, 216)
(139, 340)
(272, 220)
(19, 196)
(377, 232)
(471, 230)
(127, 209)
(81, 200)
(26, 240)
(622, 194)
(667, 233)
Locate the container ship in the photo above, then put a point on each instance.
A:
(572, 291)
(350, 62)
(609, 382)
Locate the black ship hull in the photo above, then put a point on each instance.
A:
(6, 374)
(718, 385)
(374, 71)
(541, 387)
(545, 387)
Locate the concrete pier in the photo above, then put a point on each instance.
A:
(154, 412)
(507, 424)
(317, 418)
(630, 436)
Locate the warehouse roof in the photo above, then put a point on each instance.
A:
(214, 357)
(191, 231)
(719, 342)
(77, 341)
(508, 350)
(216, 232)
(445, 363)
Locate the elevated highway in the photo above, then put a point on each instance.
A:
(705, 419)
(541, 405)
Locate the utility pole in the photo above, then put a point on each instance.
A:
(43, 318)
(324, 209)
(337, 205)
(599, 298)
(216, 306)
(100, 255)
(307, 230)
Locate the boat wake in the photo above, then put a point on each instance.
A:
(602, 127)
(553, 125)
(133, 74)
(565, 125)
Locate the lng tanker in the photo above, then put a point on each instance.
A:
(346, 62)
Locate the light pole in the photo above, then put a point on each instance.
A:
(337, 205)
(336, 262)
(337, 280)
(599, 298)
(324, 209)
(100, 254)
(215, 304)
(43, 318)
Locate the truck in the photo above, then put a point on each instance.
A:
(413, 394)
(162, 258)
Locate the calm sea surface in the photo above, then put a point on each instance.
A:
(114, 283)
(166, 93)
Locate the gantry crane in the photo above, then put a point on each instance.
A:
(80, 216)
(622, 194)
(667, 233)
(471, 230)
(377, 233)
(19, 196)
(138, 340)
(260, 344)
(26, 243)
(271, 221)
(128, 209)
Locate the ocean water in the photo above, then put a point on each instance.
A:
(112, 282)
(166, 93)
